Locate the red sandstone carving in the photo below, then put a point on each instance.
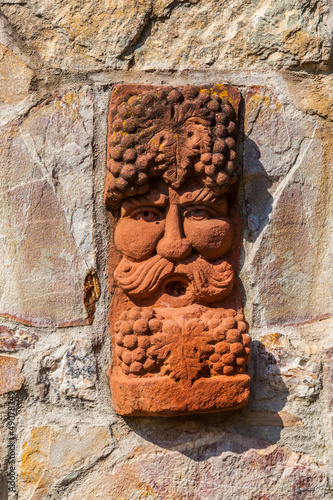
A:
(179, 335)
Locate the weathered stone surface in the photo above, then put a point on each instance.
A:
(46, 213)
(286, 366)
(289, 209)
(293, 276)
(272, 419)
(53, 455)
(217, 34)
(13, 340)
(69, 371)
(80, 36)
(213, 471)
(207, 33)
(274, 131)
(15, 77)
(328, 378)
(313, 95)
(11, 378)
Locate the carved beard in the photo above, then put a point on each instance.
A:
(209, 281)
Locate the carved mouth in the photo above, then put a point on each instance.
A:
(176, 288)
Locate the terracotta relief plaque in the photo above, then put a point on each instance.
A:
(178, 332)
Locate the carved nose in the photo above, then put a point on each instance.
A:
(173, 246)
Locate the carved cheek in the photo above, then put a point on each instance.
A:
(210, 238)
(137, 239)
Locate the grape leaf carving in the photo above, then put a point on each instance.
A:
(184, 354)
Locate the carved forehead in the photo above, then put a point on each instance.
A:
(170, 133)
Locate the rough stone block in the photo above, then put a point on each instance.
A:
(208, 33)
(68, 371)
(51, 455)
(220, 472)
(15, 77)
(287, 184)
(46, 243)
(285, 367)
(14, 340)
(11, 378)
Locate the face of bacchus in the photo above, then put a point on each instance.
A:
(177, 328)
(173, 243)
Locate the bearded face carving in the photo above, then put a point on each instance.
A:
(179, 336)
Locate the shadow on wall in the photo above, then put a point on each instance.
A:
(200, 437)
(257, 200)
(3, 487)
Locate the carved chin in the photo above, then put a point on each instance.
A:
(194, 280)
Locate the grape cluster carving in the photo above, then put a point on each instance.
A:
(148, 127)
(134, 332)
(146, 342)
(232, 348)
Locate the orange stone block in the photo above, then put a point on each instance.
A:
(176, 315)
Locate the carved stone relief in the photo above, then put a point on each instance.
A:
(179, 336)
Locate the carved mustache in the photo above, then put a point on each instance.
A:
(210, 280)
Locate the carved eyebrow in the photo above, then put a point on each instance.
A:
(144, 200)
(203, 196)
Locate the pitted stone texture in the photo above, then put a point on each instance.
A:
(14, 340)
(51, 455)
(11, 378)
(285, 367)
(224, 467)
(95, 35)
(68, 371)
(46, 212)
(289, 211)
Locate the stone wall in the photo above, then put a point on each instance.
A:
(59, 433)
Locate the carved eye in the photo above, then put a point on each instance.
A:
(147, 214)
(198, 213)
